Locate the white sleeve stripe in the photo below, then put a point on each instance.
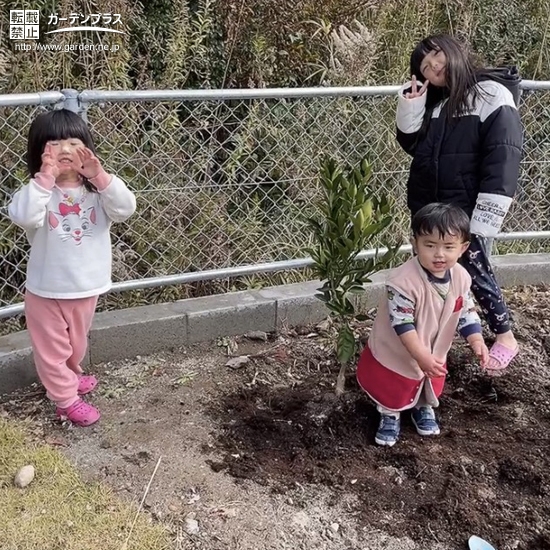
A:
(410, 112)
(493, 97)
(489, 214)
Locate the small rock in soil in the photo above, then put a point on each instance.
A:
(334, 527)
(518, 412)
(257, 335)
(191, 526)
(24, 476)
(237, 362)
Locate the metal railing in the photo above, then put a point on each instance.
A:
(225, 178)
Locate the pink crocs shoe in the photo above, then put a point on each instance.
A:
(79, 413)
(499, 358)
(86, 383)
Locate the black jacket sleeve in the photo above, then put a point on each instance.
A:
(407, 141)
(502, 141)
(501, 137)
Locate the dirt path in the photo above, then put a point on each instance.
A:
(264, 457)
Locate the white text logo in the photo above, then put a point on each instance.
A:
(24, 24)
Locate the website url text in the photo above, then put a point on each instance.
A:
(36, 46)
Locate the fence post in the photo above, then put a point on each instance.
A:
(73, 103)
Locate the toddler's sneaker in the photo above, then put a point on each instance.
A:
(86, 383)
(388, 430)
(424, 420)
(80, 413)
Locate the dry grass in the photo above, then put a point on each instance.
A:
(59, 510)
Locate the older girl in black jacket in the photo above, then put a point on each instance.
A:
(462, 128)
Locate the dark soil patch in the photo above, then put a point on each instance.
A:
(487, 474)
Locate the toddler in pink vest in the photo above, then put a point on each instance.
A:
(427, 299)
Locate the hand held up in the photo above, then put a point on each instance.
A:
(415, 91)
(90, 167)
(49, 165)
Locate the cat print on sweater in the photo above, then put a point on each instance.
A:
(72, 223)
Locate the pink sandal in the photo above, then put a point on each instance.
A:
(501, 355)
(79, 413)
(86, 383)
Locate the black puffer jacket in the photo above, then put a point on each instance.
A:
(473, 161)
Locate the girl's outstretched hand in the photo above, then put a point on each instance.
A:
(90, 167)
(49, 165)
(415, 92)
(480, 349)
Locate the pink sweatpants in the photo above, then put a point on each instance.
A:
(59, 335)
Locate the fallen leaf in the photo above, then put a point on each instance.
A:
(237, 362)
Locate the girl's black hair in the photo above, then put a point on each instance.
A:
(445, 219)
(461, 75)
(53, 126)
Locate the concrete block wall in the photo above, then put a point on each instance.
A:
(144, 330)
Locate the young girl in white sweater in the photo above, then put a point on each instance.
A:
(66, 209)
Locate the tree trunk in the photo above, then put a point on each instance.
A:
(341, 380)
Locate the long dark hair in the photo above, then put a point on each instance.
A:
(53, 126)
(460, 75)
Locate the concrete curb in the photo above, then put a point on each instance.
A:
(149, 329)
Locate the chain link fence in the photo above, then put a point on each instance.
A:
(225, 179)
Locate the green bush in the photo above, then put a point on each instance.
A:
(229, 183)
